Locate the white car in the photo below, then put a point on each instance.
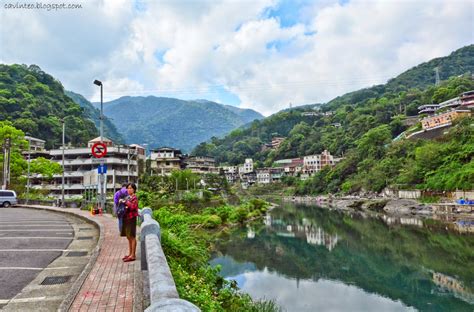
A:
(7, 198)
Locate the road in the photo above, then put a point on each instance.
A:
(35, 245)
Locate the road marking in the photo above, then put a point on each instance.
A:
(39, 230)
(36, 225)
(39, 250)
(22, 237)
(33, 299)
(37, 269)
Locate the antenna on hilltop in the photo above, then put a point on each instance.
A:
(291, 106)
(436, 69)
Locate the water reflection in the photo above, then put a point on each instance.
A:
(306, 257)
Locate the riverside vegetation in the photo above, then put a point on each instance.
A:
(190, 224)
(362, 127)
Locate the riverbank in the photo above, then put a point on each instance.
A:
(388, 206)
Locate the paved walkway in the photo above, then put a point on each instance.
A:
(111, 283)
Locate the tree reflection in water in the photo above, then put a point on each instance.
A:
(421, 263)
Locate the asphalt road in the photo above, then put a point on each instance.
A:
(29, 241)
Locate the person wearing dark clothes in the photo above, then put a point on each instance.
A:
(129, 228)
(120, 194)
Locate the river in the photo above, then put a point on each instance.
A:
(308, 258)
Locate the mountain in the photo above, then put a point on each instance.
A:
(35, 103)
(92, 113)
(420, 77)
(160, 121)
(360, 125)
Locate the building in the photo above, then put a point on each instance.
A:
(467, 99)
(200, 164)
(231, 173)
(276, 142)
(81, 169)
(164, 160)
(314, 163)
(263, 176)
(36, 148)
(247, 167)
(291, 167)
(443, 120)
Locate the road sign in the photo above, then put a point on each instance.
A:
(102, 168)
(99, 150)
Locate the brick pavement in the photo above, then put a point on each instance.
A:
(111, 283)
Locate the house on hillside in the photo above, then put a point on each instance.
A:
(164, 160)
(201, 164)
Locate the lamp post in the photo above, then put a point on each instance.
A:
(102, 187)
(62, 184)
(99, 83)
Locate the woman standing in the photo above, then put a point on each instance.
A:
(129, 228)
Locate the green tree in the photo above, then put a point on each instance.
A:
(45, 167)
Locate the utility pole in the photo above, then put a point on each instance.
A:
(62, 186)
(28, 174)
(6, 163)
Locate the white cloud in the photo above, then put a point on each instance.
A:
(187, 48)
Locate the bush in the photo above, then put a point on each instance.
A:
(212, 221)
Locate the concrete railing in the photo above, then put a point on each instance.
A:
(163, 293)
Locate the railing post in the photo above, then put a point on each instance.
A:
(163, 293)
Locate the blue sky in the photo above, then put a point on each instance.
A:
(260, 54)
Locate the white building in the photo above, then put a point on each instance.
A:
(263, 176)
(314, 163)
(247, 167)
(81, 169)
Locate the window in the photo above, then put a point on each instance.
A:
(6, 194)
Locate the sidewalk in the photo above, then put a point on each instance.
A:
(111, 284)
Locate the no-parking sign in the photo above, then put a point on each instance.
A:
(99, 150)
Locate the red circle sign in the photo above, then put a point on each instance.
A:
(99, 150)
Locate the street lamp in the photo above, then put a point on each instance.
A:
(102, 187)
(99, 83)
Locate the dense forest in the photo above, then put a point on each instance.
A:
(90, 112)
(359, 121)
(35, 103)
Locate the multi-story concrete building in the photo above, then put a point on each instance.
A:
(36, 148)
(247, 167)
(263, 176)
(164, 160)
(200, 164)
(81, 169)
(444, 119)
(467, 99)
(231, 173)
(314, 163)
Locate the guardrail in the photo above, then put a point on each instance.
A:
(163, 293)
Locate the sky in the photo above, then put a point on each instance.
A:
(258, 54)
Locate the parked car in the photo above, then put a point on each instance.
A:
(7, 198)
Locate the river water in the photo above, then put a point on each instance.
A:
(308, 258)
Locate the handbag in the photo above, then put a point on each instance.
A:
(121, 210)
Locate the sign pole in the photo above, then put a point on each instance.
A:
(99, 150)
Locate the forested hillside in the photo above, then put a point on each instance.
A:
(350, 116)
(161, 121)
(110, 131)
(35, 103)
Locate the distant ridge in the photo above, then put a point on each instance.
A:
(160, 121)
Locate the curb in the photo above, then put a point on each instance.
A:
(76, 286)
